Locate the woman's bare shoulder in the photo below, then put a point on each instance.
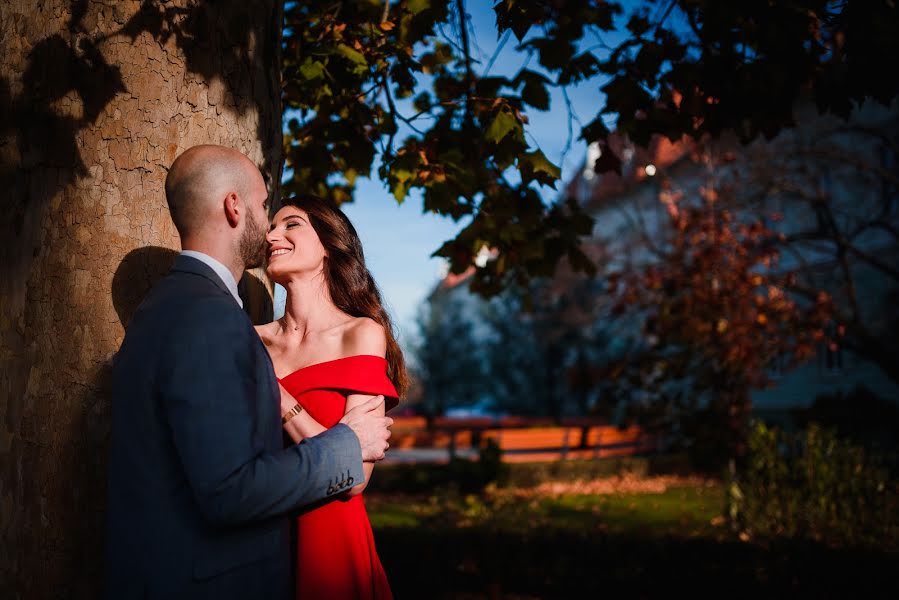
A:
(365, 336)
(266, 331)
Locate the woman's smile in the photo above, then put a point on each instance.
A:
(278, 252)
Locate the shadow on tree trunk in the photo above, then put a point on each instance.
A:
(96, 99)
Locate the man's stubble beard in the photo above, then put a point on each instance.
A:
(252, 244)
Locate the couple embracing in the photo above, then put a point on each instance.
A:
(202, 487)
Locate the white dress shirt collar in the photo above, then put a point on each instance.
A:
(220, 270)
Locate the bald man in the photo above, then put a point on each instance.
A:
(199, 483)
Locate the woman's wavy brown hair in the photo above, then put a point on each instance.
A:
(352, 288)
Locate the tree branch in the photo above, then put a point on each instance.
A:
(571, 117)
(393, 112)
(496, 52)
(888, 227)
(671, 5)
(861, 165)
(874, 261)
(469, 73)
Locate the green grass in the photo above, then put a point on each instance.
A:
(686, 511)
(678, 511)
(510, 543)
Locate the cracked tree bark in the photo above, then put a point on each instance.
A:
(96, 100)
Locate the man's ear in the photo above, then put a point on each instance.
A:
(233, 208)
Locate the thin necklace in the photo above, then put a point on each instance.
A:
(284, 324)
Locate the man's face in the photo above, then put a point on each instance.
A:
(253, 245)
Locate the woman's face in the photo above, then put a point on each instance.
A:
(293, 245)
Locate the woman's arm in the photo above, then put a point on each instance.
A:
(367, 467)
(301, 425)
(366, 337)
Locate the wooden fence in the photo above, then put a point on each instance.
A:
(519, 439)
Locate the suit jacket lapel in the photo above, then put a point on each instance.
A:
(188, 264)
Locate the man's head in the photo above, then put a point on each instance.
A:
(219, 203)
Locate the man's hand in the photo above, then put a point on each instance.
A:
(371, 427)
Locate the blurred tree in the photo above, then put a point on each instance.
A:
(820, 198)
(525, 352)
(832, 189)
(451, 358)
(523, 368)
(715, 317)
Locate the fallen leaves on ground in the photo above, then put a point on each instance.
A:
(627, 483)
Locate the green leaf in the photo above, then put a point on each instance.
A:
(638, 25)
(535, 94)
(535, 165)
(534, 91)
(555, 53)
(594, 130)
(422, 102)
(517, 16)
(312, 69)
(416, 6)
(503, 123)
(402, 174)
(354, 56)
(490, 86)
(399, 191)
(581, 67)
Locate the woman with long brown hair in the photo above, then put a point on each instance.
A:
(333, 349)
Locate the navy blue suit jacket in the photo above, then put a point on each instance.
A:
(199, 482)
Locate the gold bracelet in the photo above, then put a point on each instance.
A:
(297, 409)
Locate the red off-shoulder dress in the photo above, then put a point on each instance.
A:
(336, 557)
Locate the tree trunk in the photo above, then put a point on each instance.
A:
(96, 100)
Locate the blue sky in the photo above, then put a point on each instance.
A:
(399, 239)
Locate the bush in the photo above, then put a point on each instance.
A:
(860, 416)
(464, 475)
(813, 485)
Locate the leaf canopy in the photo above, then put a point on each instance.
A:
(676, 68)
